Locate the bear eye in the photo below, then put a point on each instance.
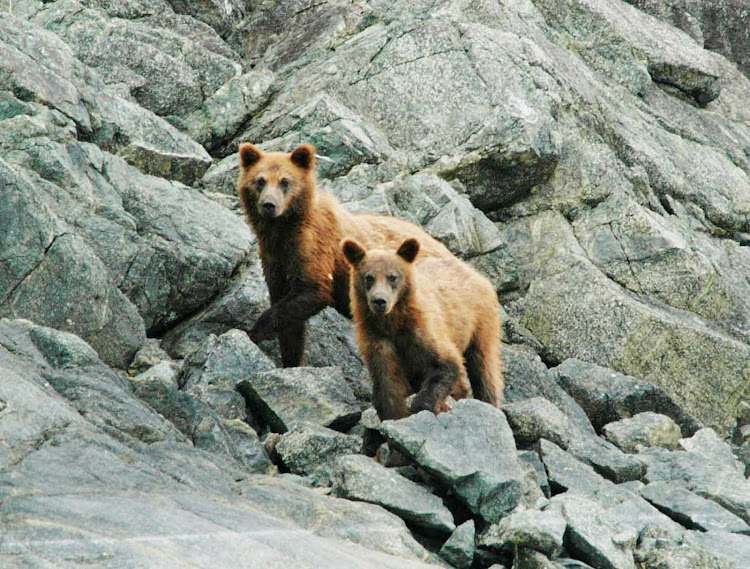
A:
(285, 184)
(393, 278)
(260, 182)
(369, 280)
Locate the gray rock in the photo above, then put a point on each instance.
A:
(531, 559)
(225, 111)
(608, 396)
(720, 26)
(63, 83)
(743, 455)
(725, 546)
(656, 550)
(568, 474)
(458, 550)
(149, 355)
(482, 470)
(166, 71)
(541, 531)
(725, 486)
(643, 430)
(213, 371)
(537, 418)
(691, 510)
(54, 278)
(312, 449)
(741, 432)
(361, 478)
(368, 525)
(431, 202)
(286, 398)
(593, 535)
(246, 447)
(526, 376)
(532, 459)
(710, 446)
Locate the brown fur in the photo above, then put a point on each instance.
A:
(303, 264)
(423, 325)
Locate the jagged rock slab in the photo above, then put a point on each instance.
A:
(526, 376)
(166, 71)
(213, 371)
(691, 510)
(593, 535)
(645, 429)
(287, 398)
(658, 550)
(459, 549)
(469, 451)
(708, 444)
(568, 474)
(735, 548)
(312, 449)
(361, 478)
(48, 261)
(608, 396)
(365, 524)
(532, 459)
(726, 486)
(541, 531)
(537, 418)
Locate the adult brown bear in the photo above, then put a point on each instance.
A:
(299, 231)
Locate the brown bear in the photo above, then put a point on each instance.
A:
(422, 327)
(299, 230)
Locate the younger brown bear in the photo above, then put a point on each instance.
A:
(418, 322)
(299, 230)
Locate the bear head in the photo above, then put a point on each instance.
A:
(381, 278)
(276, 185)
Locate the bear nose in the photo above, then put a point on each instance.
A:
(269, 208)
(379, 304)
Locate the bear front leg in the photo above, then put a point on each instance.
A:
(439, 382)
(294, 309)
(292, 344)
(389, 385)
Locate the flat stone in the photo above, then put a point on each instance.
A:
(359, 477)
(286, 398)
(691, 510)
(658, 550)
(645, 429)
(469, 451)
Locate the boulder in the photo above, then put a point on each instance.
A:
(691, 510)
(541, 531)
(286, 398)
(483, 472)
(459, 549)
(607, 396)
(643, 430)
(537, 418)
(311, 450)
(361, 478)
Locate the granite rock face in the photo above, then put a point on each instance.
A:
(590, 157)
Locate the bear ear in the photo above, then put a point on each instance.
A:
(304, 156)
(408, 250)
(249, 155)
(353, 251)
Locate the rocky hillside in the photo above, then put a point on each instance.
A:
(591, 157)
